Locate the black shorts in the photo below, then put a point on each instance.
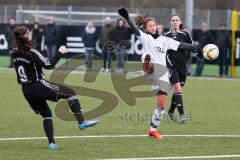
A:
(178, 76)
(37, 93)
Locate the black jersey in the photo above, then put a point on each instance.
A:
(28, 65)
(176, 59)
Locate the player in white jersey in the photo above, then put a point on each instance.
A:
(155, 62)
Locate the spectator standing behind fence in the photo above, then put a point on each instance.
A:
(9, 36)
(204, 37)
(37, 36)
(223, 43)
(51, 34)
(105, 36)
(160, 29)
(121, 36)
(89, 38)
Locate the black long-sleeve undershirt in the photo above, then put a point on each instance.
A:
(134, 29)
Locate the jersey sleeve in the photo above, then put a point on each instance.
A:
(188, 38)
(171, 43)
(143, 38)
(44, 62)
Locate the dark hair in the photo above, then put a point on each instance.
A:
(180, 17)
(143, 20)
(175, 14)
(181, 27)
(21, 41)
(36, 23)
(120, 19)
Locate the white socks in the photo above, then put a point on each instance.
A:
(156, 118)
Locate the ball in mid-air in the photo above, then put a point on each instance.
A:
(210, 52)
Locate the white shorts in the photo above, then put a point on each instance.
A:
(159, 79)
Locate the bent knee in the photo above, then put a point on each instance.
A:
(177, 87)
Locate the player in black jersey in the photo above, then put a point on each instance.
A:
(28, 64)
(176, 64)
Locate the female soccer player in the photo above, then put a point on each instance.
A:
(176, 63)
(28, 64)
(155, 62)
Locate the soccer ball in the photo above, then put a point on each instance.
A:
(210, 52)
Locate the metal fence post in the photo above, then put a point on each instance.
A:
(189, 14)
(103, 10)
(234, 27)
(5, 14)
(36, 15)
(69, 15)
(208, 17)
(19, 14)
(228, 20)
(173, 10)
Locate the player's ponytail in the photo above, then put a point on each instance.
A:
(139, 20)
(21, 40)
(181, 27)
(143, 20)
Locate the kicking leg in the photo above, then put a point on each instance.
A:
(69, 94)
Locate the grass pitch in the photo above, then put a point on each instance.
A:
(212, 107)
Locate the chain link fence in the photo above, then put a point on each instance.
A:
(74, 15)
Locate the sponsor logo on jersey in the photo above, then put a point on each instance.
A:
(159, 49)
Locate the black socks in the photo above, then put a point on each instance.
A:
(76, 109)
(48, 128)
(177, 102)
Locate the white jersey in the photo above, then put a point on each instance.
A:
(157, 49)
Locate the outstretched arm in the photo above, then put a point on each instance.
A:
(124, 13)
(187, 46)
(175, 45)
(191, 47)
(47, 63)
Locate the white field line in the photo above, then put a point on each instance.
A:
(117, 136)
(187, 157)
(136, 73)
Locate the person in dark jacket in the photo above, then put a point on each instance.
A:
(121, 34)
(89, 38)
(10, 37)
(105, 37)
(205, 37)
(223, 44)
(51, 33)
(37, 36)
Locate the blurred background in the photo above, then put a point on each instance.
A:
(70, 19)
(211, 11)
